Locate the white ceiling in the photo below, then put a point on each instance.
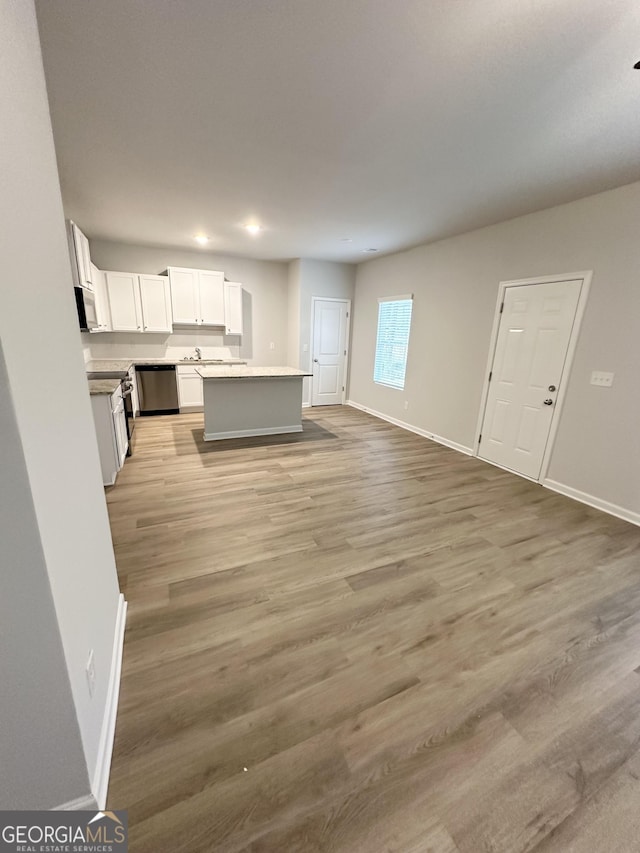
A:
(391, 122)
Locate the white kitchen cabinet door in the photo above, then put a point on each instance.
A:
(190, 390)
(135, 400)
(233, 307)
(124, 301)
(120, 429)
(211, 297)
(185, 296)
(102, 300)
(155, 299)
(80, 257)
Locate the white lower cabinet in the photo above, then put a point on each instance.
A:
(111, 431)
(135, 400)
(190, 392)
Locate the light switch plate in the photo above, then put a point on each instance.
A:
(602, 378)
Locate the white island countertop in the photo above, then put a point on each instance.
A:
(244, 372)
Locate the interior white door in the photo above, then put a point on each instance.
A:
(329, 352)
(531, 350)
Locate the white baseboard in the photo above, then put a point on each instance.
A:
(80, 804)
(103, 765)
(461, 448)
(306, 405)
(248, 433)
(590, 500)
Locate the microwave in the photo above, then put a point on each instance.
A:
(86, 305)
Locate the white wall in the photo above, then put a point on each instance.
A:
(455, 283)
(40, 748)
(309, 278)
(45, 368)
(265, 286)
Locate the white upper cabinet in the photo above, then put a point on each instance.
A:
(80, 257)
(155, 299)
(124, 301)
(185, 296)
(197, 297)
(233, 307)
(102, 300)
(139, 303)
(211, 297)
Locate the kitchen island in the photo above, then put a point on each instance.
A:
(242, 401)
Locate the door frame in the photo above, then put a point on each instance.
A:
(585, 276)
(314, 300)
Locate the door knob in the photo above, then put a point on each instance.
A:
(315, 360)
(552, 387)
(548, 402)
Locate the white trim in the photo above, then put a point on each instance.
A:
(100, 783)
(585, 276)
(395, 298)
(461, 448)
(347, 336)
(306, 405)
(247, 433)
(591, 500)
(87, 803)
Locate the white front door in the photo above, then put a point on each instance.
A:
(329, 354)
(531, 349)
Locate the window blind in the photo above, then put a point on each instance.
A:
(392, 342)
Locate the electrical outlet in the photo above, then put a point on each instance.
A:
(602, 378)
(272, 345)
(91, 673)
(406, 405)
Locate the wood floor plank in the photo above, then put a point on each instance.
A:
(408, 649)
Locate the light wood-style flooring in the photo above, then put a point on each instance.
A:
(356, 640)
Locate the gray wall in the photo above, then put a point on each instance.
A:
(40, 749)
(265, 285)
(60, 467)
(455, 283)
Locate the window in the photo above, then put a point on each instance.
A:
(394, 322)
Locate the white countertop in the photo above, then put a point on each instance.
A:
(243, 372)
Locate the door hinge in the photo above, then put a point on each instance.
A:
(479, 438)
(490, 375)
(347, 313)
(501, 307)
(345, 352)
(343, 387)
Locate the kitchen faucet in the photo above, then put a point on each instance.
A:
(199, 353)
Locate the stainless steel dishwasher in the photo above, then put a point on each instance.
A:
(157, 389)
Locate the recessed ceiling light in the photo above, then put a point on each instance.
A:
(346, 239)
(637, 66)
(253, 229)
(369, 250)
(202, 239)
